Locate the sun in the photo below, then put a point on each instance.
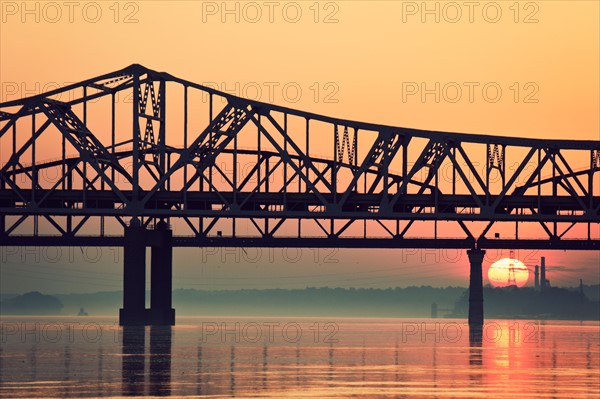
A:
(499, 273)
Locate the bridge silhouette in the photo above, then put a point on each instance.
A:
(192, 166)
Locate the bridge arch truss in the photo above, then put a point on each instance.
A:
(137, 144)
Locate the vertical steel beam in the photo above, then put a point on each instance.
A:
(136, 139)
(185, 135)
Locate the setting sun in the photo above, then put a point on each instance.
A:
(499, 274)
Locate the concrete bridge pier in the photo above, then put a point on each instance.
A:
(476, 288)
(134, 312)
(161, 312)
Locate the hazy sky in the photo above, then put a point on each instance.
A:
(363, 60)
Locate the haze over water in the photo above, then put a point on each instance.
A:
(300, 357)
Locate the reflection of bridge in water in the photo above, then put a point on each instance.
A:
(395, 358)
(148, 170)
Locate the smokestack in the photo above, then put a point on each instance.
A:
(537, 277)
(434, 310)
(543, 280)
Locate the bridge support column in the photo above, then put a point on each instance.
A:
(134, 277)
(161, 312)
(476, 288)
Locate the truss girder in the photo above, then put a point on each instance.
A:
(391, 176)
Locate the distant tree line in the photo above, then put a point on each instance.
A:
(528, 303)
(553, 303)
(31, 303)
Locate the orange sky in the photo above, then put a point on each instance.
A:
(369, 53)
(365, 57)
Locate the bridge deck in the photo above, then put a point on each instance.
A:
(304, 205)
(311, 242)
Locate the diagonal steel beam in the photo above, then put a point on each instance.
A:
(301, 155)
(91, 150)
(285, 156)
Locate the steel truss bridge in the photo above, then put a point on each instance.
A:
(192, 166)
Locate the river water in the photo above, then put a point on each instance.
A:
(299, 358)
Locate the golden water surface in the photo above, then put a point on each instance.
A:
(299, 358)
